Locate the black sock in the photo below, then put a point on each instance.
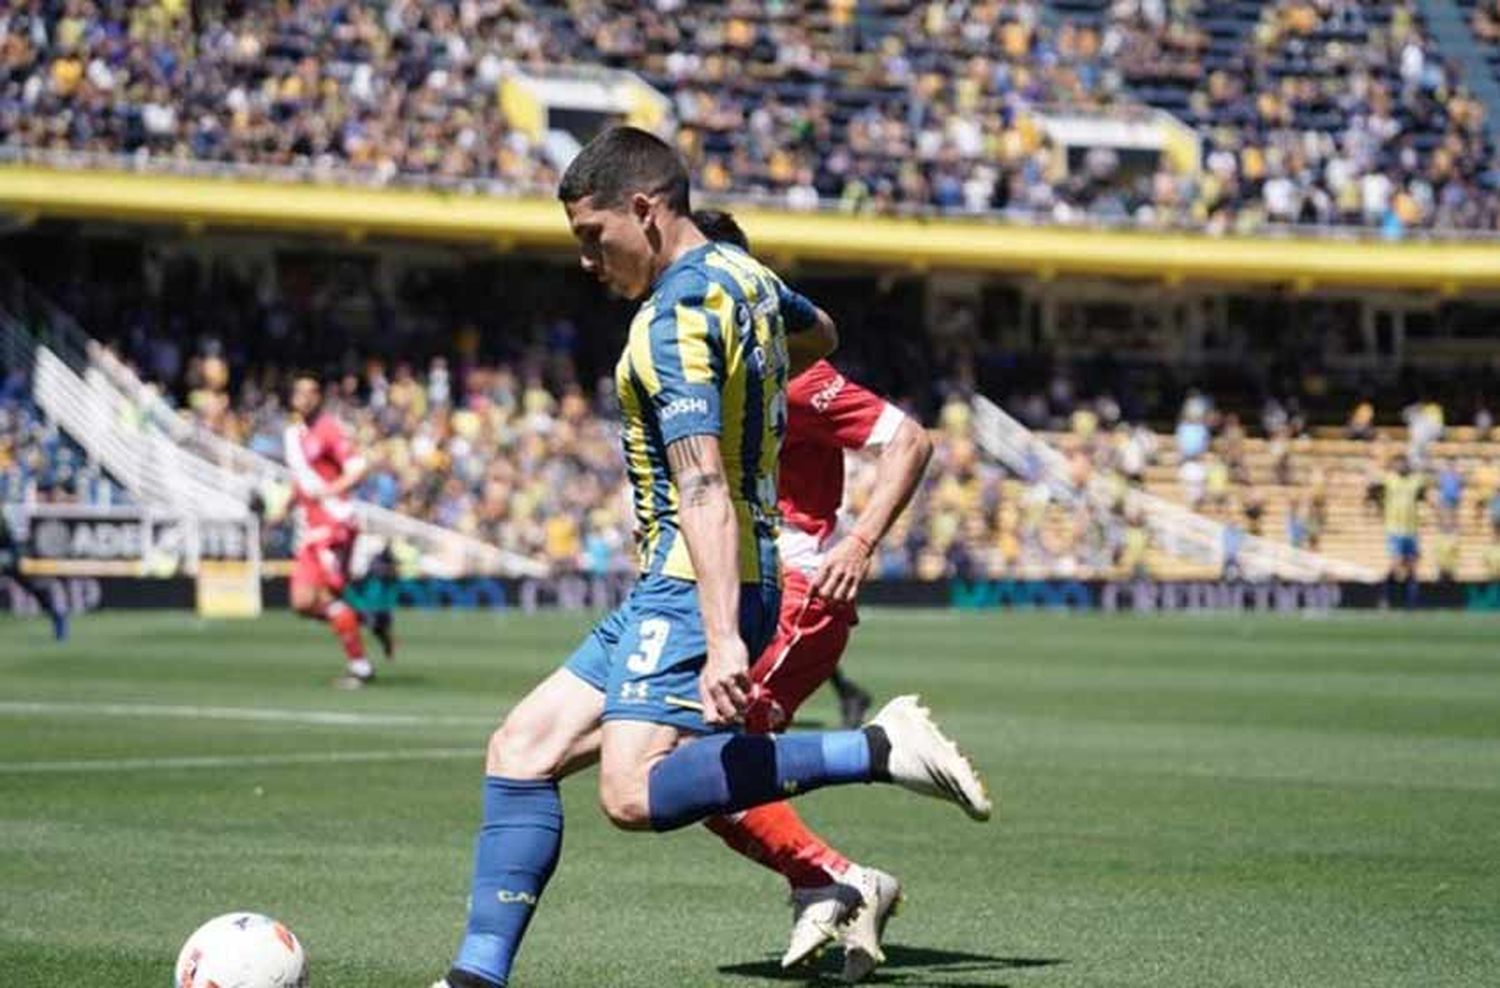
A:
(463, 979)
(880, 753)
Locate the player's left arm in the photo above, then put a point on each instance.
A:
(811, 333)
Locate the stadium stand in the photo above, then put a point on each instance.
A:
(1307, 113)
(41, 464)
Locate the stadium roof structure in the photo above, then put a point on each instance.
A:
(1448, 267)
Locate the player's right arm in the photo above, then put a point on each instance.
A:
(304, 478)
(680, 373)
(706, 516)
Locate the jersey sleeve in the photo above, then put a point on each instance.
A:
(681, 365)
(797, 312)
(838, 412)
(333, 441)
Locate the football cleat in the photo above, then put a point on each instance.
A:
(817, 914)
(924, 760)
(880, 895)
(349, 681)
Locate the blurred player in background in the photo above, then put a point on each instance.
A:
(1404, 491)
(10, 568)
(827, 414)
(325, 469)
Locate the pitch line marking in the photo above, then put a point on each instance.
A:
(326, 718)
(235, 761)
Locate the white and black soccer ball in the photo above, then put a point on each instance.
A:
(241, 950)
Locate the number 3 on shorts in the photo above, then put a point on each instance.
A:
(654, 632)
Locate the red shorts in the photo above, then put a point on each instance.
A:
(324, 565)
(810, 637)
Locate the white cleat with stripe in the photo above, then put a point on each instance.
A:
(926, 761)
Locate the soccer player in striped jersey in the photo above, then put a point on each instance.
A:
(656, 689)
(1404, 492)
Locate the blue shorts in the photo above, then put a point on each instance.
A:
(1403, 547)
(646, 655)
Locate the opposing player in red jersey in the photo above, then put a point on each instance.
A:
(827, 414)
(325, 469)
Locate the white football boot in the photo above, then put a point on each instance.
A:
(925, 761)
(817, 914)
(880, 896)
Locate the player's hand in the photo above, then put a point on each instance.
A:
(843, 570)
(724, 685)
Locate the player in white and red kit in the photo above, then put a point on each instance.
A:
(827, 414)
(325, 469)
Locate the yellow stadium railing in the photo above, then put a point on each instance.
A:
(1448, 267)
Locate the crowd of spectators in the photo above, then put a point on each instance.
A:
(492, 451)
(1322, 111)
(500, 451)
(39, 464)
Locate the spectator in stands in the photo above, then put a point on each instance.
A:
(1487, 488)
(1404, 492)
(1299, 523)
(1362, 421)
(1450, 494)
(1424, 424)
(1253, 507)
(1492, 557)
(1192, 427)
(1447, 553)
(1193, 476)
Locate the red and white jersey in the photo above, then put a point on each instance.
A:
(826, 414)
(316, 456)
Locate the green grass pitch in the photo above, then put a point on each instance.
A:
(1182, 802)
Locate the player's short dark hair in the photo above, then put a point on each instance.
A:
(720, 225)
(621, 162)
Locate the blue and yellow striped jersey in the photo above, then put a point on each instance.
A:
(707, 356)
(1403, 496)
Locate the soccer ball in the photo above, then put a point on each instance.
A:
(241, 950)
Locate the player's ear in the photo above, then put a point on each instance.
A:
(647, 209)
(643, 208)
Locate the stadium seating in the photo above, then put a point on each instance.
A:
(1326, 113)
(1341, 469)
(39, 463)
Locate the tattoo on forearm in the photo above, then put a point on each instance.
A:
(695, 468)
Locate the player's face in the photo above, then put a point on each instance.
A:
(306, 395)
(616, 246)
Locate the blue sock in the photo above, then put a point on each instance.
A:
(727, 773)
(515, 854)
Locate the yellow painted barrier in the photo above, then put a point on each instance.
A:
(910, 244)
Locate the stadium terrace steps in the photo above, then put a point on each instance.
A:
(1449, 22)
(1354, 530)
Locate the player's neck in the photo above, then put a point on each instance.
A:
(680, 235)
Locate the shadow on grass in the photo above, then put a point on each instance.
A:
(911, 966)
